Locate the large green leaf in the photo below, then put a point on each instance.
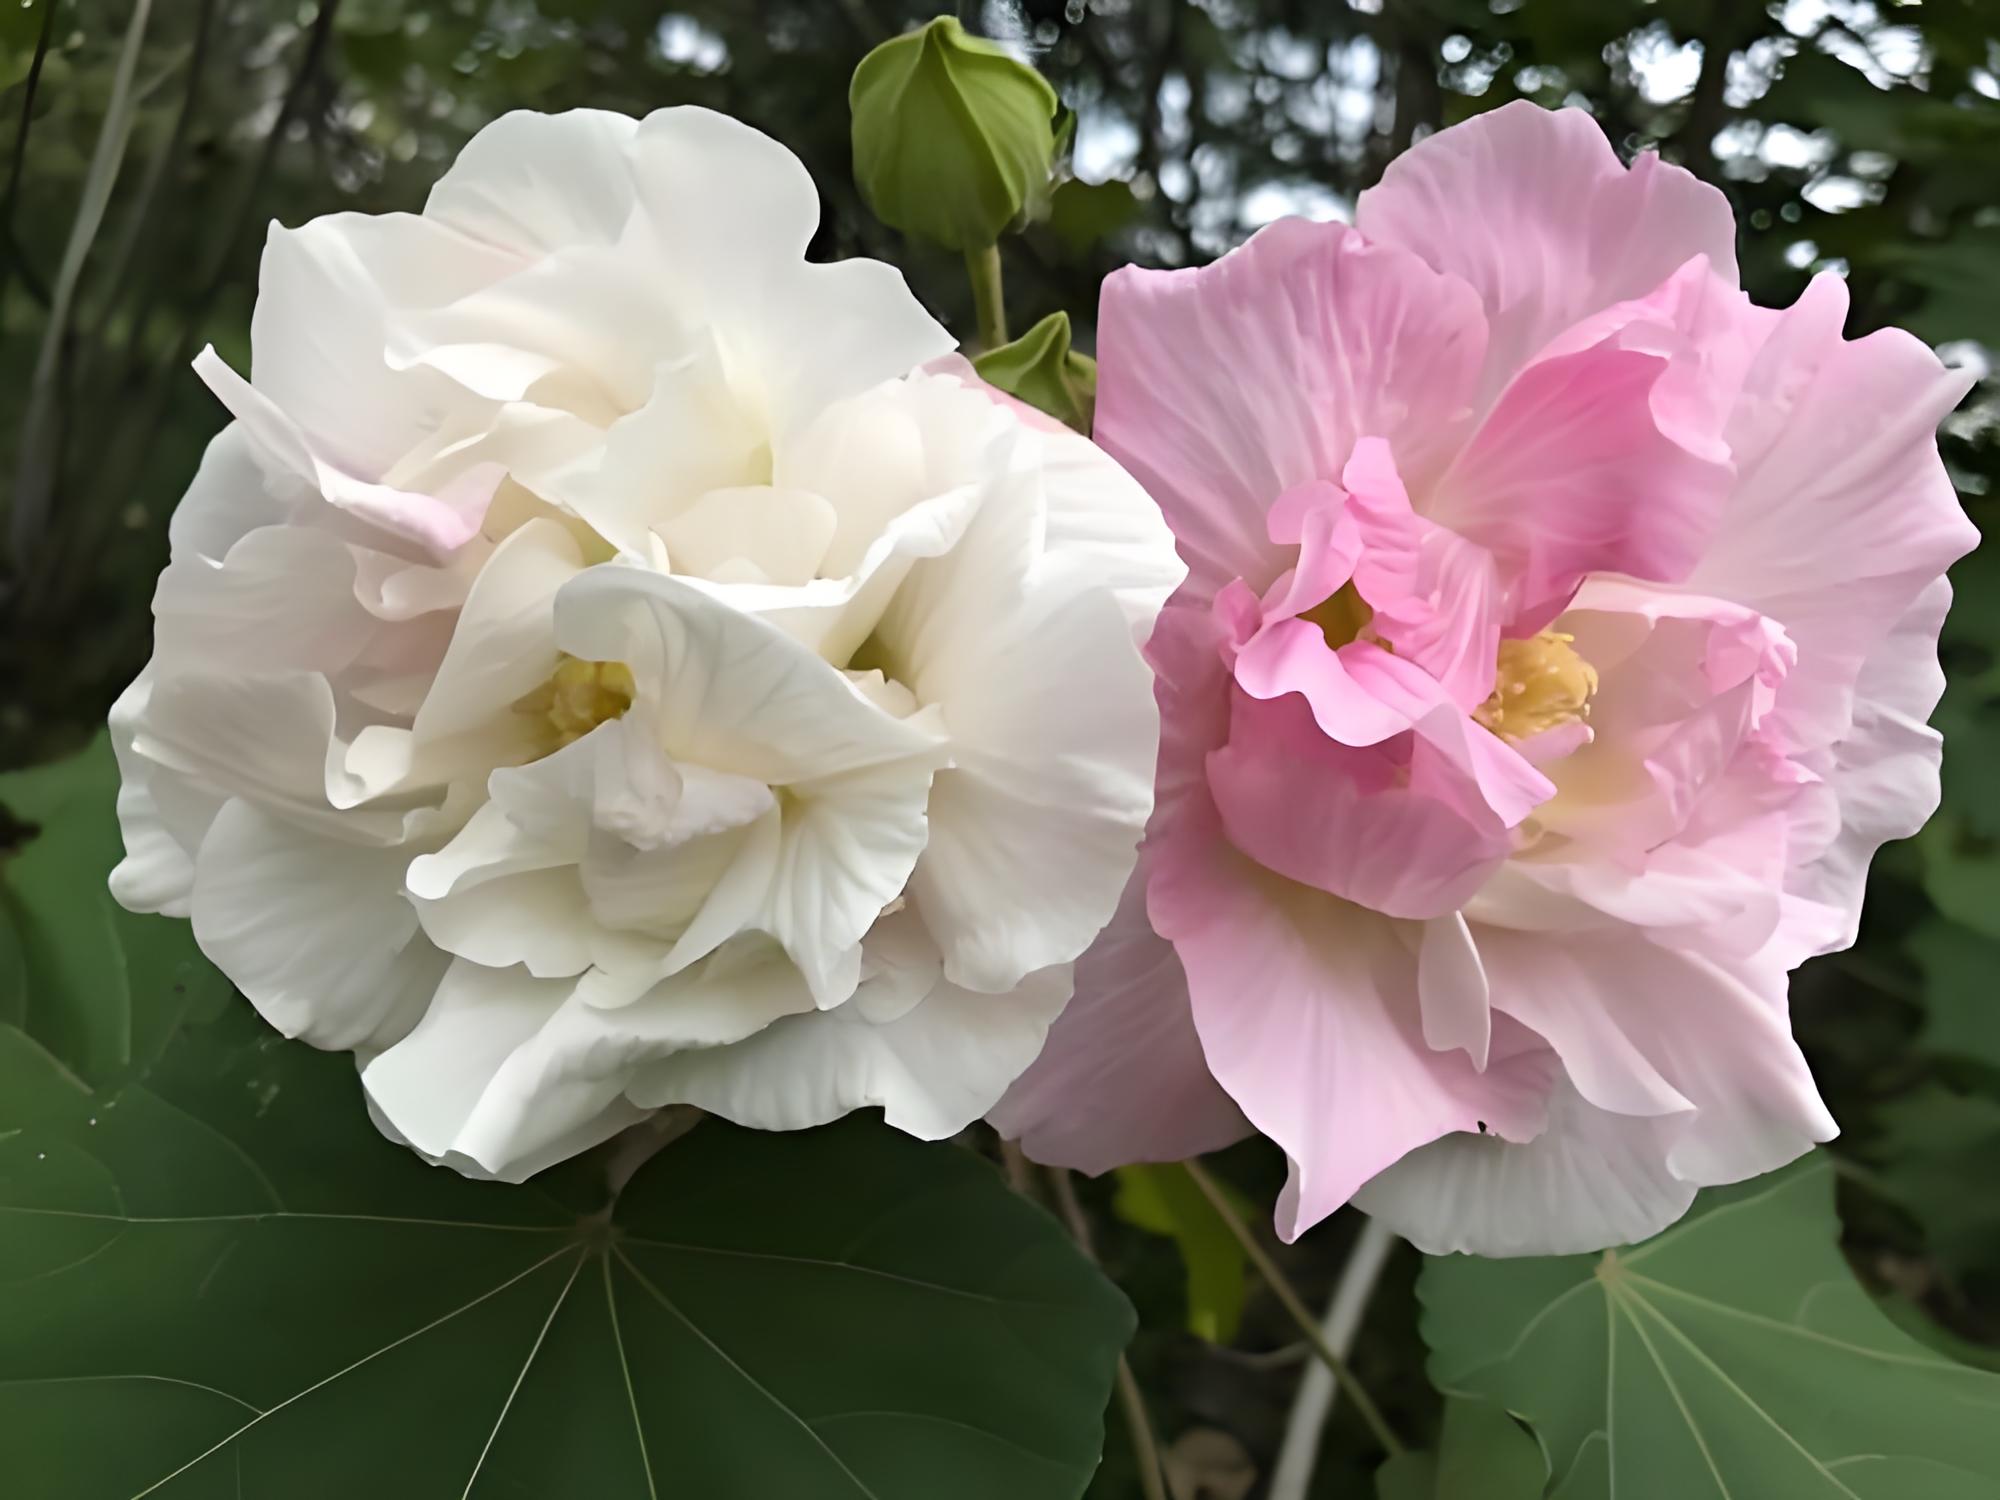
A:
(1482, 1455)
(217, 1279)
(231, 1274)
(1733, 1355)
(101, 988)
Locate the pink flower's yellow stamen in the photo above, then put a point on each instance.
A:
(581, 695)
(1539, 683)
(1342, 617)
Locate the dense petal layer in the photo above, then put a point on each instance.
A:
(1122, 1078)
(1221, 388)
(1564, 228)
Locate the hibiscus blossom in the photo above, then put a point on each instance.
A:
(1558, 640)
(598, 669)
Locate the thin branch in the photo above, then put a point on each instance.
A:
(163, 168)
(34, 80)
(1286, 1294)
(1291, 1479)
(141, 430)
(1131, 1400)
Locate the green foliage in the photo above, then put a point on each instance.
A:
(99, 987)
(1938, 1146)
(1961, 1000)
(1041, 369)
(207, 1249)
(1083, 213)
(1164, 1200)
(1733, 1354)
(953, 139)
(1482, 1455)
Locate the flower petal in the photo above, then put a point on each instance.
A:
(1590, 1179)
(1223, 387)
(1122, 1078)
(1563, 228)
(315, 932)
(1330, 1063)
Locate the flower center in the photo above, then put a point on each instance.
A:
(1341, 617)
(580, 696)
(1539, 683)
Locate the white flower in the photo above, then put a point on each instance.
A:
(598, 669)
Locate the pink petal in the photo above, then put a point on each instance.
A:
(1842, 513)
(1345, 820)
(1329, 1061)
(1532, 208)
(1122, 1077)
(1221, 388)
(1572, 473)
(1644, 1029)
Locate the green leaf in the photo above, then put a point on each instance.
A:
(1935, 1145)
(953, 138)
(1165, 1201)
(1483, 1454)
(1082, 213)
(230, 1271)
(100, 988)
(1961, 1007)
(1732, 1355)
(1962, 872)
(1041, 369)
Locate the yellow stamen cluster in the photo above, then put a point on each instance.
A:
(580, 696)
(1539, 683)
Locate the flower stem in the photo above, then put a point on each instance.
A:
(1131, 1400)
(1295, 1305)
(982, 268)
(1291, 1478)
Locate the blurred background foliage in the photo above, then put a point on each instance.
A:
(147, 143)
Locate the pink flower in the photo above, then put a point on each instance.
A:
(1556, 650)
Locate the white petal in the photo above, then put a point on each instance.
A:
(315, 932)
(1054, 731)
(533, 182)
(848, 845)
(157, 872)
(729, 691)
(432, 1082)
(933, 1070)
(231, 494)
(1589, 1180)
(502, 649)
(781, 535)
(512, 1073)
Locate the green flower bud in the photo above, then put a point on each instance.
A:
(953, 139)
(1041, 369)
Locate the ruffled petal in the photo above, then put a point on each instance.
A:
(1563, 228)
(1590, 1179)
(1842, 513)
(1223, 387)
(1330, 1062)
(1122, 1078)
(316, 933)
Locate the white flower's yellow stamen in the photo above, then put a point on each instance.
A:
(581, 695)
(1539, 683)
